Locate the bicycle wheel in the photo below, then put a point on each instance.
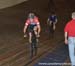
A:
(34, 44)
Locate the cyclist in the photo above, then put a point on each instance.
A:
(52, 20)
(32, 23)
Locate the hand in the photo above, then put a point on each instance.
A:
(66, 41)
(38, 35)
(25, 35)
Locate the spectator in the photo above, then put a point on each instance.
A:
(70, 38)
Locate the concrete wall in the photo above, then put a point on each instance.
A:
(8, 3)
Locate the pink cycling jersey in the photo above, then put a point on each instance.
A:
(35, 21)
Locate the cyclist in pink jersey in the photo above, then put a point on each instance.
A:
(32, 23)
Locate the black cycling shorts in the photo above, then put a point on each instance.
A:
(31, 27)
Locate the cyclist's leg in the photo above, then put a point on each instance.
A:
(30, 36)
(36, 33)
(35, 30)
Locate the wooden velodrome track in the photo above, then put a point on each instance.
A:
(14, 49)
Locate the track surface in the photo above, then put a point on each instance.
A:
(14, 49)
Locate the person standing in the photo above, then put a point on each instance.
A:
(69, 34)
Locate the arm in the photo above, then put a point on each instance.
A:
(66, 38)
(56, 19)
(38, 25)
(25, 28)
(66, 30)
(48, 21)
(39, 29)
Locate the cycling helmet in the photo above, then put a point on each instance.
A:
(31, 15)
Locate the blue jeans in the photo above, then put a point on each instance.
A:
(71, 46)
